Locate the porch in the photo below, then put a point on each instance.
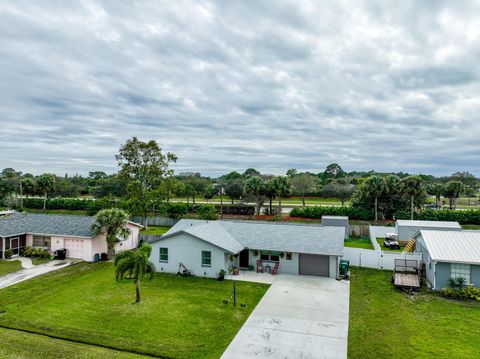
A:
(13, 243)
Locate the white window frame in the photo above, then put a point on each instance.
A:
(44, 239)
(461, 270)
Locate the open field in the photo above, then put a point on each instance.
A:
(388, 323)
(9, 266)
(178, 317)
(296, 201)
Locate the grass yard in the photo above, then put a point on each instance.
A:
(386, 249)
(9, 266)
(471, 226)
(20, 345)
(158, 230)
(387, 323)
(178, 317)
(362, 242)
(38, 261)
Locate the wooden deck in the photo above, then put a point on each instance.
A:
(410, 280)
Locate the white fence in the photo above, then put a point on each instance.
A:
(156, 221)
(375, 259)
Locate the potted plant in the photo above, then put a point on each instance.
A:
(8, 253)
(255, 253)
(221, 275)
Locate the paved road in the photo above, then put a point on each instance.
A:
(299, 317)
(35, 271)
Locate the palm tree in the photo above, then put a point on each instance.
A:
(135, 263)
(112, 223)
(375, 186)
(255, 186)
(436, 189)
(46, 184)
(453, 189)
(412, 186)
(284, 188)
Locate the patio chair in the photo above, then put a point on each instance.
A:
(274, 270)
(259, 266)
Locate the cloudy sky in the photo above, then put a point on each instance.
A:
(387, 85)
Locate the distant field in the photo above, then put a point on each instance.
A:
(327, 201)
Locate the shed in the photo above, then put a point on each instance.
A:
(337, 221)
(407, 229)
(450, 254)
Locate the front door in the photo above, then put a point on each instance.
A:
(244, 258)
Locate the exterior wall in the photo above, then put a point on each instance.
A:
(475, 276)
(285, 266)
(186, 249)
(429, 265)
(406, 233)
(442, 274)
(334, 261)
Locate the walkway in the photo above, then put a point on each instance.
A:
(32, 272)
(299, 317)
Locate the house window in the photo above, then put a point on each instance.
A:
(206, 259)
(41, 241)
(270, 256)
(163, 254)
(288, 256)
(460, 270)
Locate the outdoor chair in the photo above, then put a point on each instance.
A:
(274, 270)
(259, 266)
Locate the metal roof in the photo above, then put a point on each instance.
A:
(451, 246)
(51, 224)
(237, 235)
(436, 224)
(335, 217)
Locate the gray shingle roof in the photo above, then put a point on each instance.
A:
(52, 224)
(236, 235)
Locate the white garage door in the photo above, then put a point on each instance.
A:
(313, 264)
(74, 248)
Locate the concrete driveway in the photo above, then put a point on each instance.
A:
(32, 272)
(299, 317)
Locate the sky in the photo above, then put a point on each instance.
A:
(227, 85)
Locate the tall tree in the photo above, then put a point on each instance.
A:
(29, 186)
(112, 223)
(145, 166)
(255, 186)
(412, 186)
(453, 189)
(284, 189)
(333, 171)
(436, 189)
(341, 191)
(292, 172)
(135, 264)
(209, 192)
(375, 186)
(250, 172)
(270, 191)
(46, 185)
(234, 189)
(303, 184)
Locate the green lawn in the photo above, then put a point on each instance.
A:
(37, 261)
(178, 317)
(158, 230)
(330, 201)
(471, 226)
(362, 242)
(20, 345)
(9, 266)
(387, 323)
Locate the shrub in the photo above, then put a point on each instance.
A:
(316, 212)
(238, 209)
(8, 253)
(467, 293)
(471, 216)
(207, 211)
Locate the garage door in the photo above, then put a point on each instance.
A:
(313, 264)
(74, 248)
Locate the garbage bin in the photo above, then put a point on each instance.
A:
(344, 266)
(96, 257)
(61, 253)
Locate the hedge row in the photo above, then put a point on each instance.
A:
(318, 211)
(471, 216)
(72, 204)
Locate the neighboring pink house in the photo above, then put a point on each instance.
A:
(54, 232)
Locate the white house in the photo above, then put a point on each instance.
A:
(407, 229)
(53, 232)
(206, 247)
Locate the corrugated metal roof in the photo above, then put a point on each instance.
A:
(452, 246)
(437, 224)
(53, 224)
(236, 235)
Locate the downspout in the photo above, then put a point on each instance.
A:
(434, 275)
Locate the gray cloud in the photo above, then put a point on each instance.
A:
(228, 85)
